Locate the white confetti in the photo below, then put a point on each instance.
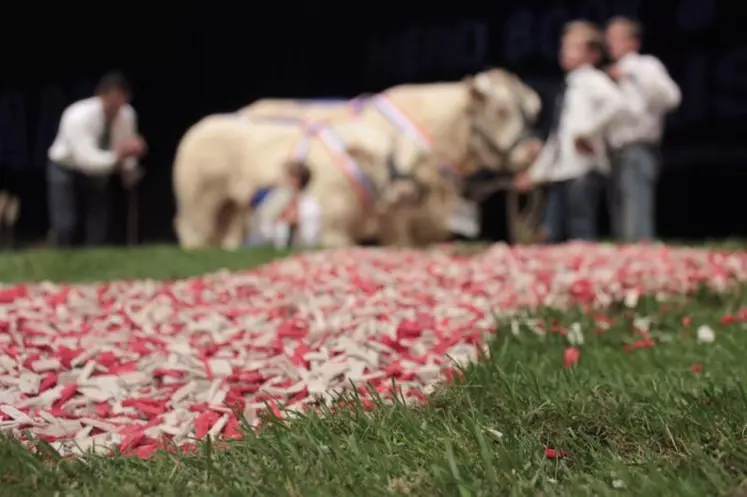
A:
(706, 334)
(122, 364)
(575, 335)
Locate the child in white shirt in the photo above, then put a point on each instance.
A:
(285, 216)
(574, 159)
(646, 85)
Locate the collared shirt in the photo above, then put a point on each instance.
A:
(590, 104)
(651, 93)
(81, 127)
(263, 231)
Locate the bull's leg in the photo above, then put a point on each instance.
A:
(191, 232)
(341, 217)
(337, 238)
(430, 226)
(234, 228)
(195, 223)
(396, 231)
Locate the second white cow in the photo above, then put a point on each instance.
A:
(360, 175)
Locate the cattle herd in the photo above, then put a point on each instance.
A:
(393, 166)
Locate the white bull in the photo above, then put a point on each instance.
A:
(328, 110)
(358, 176)
(477, 125)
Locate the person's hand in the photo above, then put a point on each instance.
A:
(534, 147)
(143, 145)
(615, 72)
(523, 183)
(132, 147)
(290, 214)
(583, 146)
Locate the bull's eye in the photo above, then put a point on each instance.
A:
(502, 112)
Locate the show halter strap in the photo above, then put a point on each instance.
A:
(359, 180)
(362, 184)
(403, 123)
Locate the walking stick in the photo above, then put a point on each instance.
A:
(132, 215)
(4, 197)
(512, 215)
(10, 218)
(130, 180)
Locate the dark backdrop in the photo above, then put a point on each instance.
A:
(188, 59)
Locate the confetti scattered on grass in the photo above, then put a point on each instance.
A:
(143, 365)
(522, 392)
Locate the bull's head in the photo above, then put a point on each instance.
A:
(503, 111)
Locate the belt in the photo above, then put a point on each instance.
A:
(639, 143)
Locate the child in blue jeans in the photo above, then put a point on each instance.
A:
(574, 160)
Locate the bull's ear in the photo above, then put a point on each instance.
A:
(532, 103)
(530, 99)
(479, 86)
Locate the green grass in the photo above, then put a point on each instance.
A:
(632, 423)
(156, 262)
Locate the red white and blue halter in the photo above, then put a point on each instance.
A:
(403, 123)
(335, 145)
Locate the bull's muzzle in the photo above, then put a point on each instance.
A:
(405, 192)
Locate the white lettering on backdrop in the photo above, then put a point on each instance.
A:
(420, 50)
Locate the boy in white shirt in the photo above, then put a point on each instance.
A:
(574, 159)
(284, 216)
(648, 89)
(97, 136)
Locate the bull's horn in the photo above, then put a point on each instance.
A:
(482, 82)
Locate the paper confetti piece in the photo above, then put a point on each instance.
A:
(139, 364)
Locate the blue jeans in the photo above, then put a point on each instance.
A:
(571, 208)
(67, 189)
(635, 169)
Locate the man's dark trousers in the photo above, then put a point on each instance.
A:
(67, 190)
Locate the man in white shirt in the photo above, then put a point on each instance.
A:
(574, 160)
(634, 138)
(299, 222)
(97, 136)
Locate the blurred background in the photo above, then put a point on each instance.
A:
(191, 58)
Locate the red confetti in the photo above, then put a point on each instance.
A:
(645, 343)
(728, 319)
(140, 365)
(555, 454)
(131, 440)
(145, 451)
(571, 355)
